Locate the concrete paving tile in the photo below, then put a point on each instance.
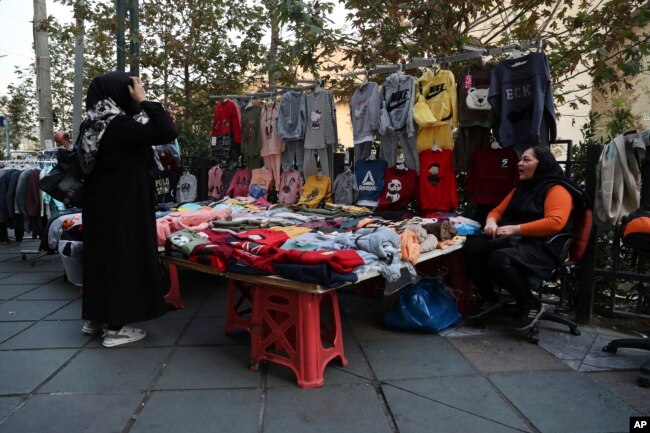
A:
(25, 267)
(109, 370)
(209, 332)
(28, 310)
(235, 410)
(9, 329)
(13, 290)
(5, 275)
(73, 413)
(415, 414)
(370, 326)
(54, 290)
(559, 402)
(7, 404)
(466, 401)
(500, 353)
(623, 359)
(72, 311)
(623, 384)
(190, 310)
(209, 367)
(412, 357)
(565, 346)
(23, 370)
(213, 307)
(49, 335)
(349, 409)
(334, 374)
(31, 278)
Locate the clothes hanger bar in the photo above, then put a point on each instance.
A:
(385, 69)
(353, 73)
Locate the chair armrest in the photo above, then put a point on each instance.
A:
(566, 238)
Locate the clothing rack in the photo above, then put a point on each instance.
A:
(421, 62)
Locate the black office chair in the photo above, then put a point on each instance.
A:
(574, 247)
(634, 236)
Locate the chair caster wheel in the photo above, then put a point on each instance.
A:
(575, 331)
(533, 336)
(609, 349)
(643, 381)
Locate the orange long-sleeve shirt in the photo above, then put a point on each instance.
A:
(557, 208)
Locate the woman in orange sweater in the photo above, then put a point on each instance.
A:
(511, 247)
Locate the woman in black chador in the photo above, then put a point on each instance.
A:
(122, 283)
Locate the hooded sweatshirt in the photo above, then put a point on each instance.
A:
(292, 115)
(364, 110)
(397, 99)
(439, 91)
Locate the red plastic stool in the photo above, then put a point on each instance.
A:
(239, 314)
(173, 296)
(287, 329)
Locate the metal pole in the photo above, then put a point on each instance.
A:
(134, 35)
(43, 81)
(121, 43)
(7, 123)
(77, 100)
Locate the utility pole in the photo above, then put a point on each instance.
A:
(77, 99)
(121, 9)
(43, 81)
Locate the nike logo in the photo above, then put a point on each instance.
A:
(360, 109)
(435, 90)
(392, 105)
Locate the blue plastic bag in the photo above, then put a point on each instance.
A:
(423, 306)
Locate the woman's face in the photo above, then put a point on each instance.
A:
(527, 165)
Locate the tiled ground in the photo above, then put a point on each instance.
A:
(187, 376)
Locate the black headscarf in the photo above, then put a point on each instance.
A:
(114, 85)
(527, 203)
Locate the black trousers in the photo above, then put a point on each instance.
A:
(488, 267)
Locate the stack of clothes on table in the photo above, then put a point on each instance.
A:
(329, 246)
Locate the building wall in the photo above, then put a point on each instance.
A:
(636, 99)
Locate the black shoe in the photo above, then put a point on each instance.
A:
(530, 317)
(484, 307)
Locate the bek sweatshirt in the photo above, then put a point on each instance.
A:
(521, 97)
(364, 111)
(292, 116)
(320, 132)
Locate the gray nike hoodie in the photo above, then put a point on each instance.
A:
(397, 100)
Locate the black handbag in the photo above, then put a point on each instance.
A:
(65, 182)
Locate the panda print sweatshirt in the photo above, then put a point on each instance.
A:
(399, 189)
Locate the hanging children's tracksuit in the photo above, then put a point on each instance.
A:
(364, 112)
(250, 135)
(226, 131)
(291, 128)
(474, 113)
(396, 120)
(320, 133)
(438, 88)
(272, 145)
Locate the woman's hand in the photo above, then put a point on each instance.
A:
(490, 228)
(508, 231)
(137, 90)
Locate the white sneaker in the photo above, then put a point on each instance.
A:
(93, 328)
(124, 335)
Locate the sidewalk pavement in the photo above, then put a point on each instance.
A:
(187, 376)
